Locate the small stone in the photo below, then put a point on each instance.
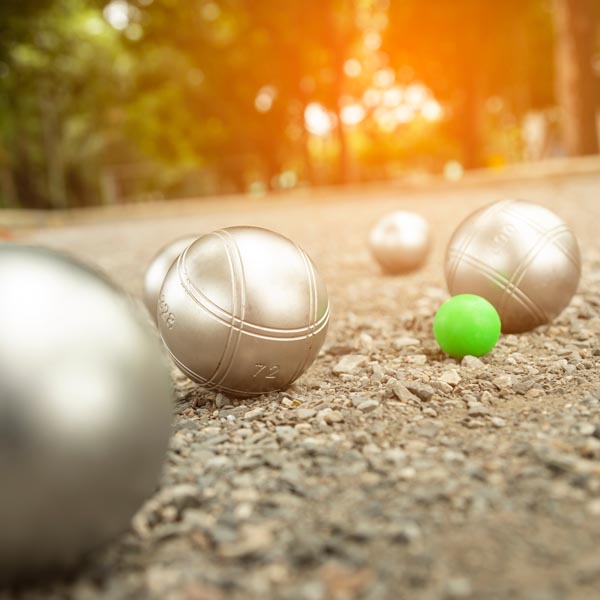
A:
(350, 363)
(254, 414)
(368, 405)
(502, 381)
(472, 362)
(254, 539)
(417, 359)
(357, 399)
(593, 507)
(586, 428)
(402, 393)
(330, 416)
(498, 422)
(458, 587)
(303, 414)
(534, 393)
(423, 391)
(478, 410)
(522, 387)
(442, 386)
(450, 377)
(403, 342)
(221, 400)
(430, 412)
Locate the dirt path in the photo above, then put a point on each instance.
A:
(481, 482)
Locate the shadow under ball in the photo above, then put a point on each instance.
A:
(400, 242)
(244, 311)
(85, 411)
(157, 269)
(519, 256)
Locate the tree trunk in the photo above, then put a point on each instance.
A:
(577, 90)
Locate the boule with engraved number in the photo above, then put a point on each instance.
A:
(400, 242)
(157, 269)
(85, 411)
(521, 257)
(243, 310)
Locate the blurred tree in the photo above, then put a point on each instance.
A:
(467, 51)
(62, 83)
(577, 27)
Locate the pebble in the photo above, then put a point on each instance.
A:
(402, 393)
(255, 413)
(502, 381)
(303, 414)
(350, 363)
(368, 406)
(421, 390)
(417, 359)
(330, 416)
(403, 342)
(472, 362)
(451, 377)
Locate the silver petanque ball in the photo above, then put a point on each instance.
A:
(158, 267)
(244, 311)
(400, 242)
(521, 257)
(85, 411)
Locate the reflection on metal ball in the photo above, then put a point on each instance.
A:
(400, 242)
(157, 269)
(243, 310)
(85, 411)
(521, 257)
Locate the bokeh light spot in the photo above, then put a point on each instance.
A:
(453, 170)
(210, 11)
(117, 14)
(352, 114)
(318, 120)
(352, 67)
(263, 102)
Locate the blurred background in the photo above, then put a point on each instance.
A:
(136, 100)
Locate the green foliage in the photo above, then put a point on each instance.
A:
(200, 96)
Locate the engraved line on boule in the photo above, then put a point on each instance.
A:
(312, 313)
(462, 247)
(499, 279)
(249, 328)
(566, 251)
(226, 354)
(546, 238)
(239, 276)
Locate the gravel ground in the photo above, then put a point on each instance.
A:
(387, 471)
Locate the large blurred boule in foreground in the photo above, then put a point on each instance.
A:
(243, 310)
(85, 411)
(157, 269)
(519, 256)
(400, 242)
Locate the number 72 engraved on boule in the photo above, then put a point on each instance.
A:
(266, 371)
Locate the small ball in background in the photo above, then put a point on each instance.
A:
(520, 256)
(466, 325)
(157, 269)
(85, 411)
(400, 242)
(244, 311)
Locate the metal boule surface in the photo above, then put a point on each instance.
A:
(521, 257)
(85, 411)
(243, 310)
(400, 242)
(158, 267)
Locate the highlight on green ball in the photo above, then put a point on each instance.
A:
(466, 324)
